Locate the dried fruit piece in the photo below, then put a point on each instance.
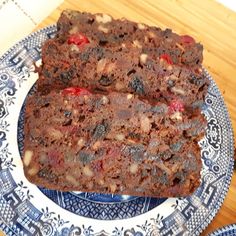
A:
(85, 157)
(137, 85)
(187, 39)
(100, 130)
(78, 39)
(46, 173)
(166, 58)
(176, 105)
(105, 81)
(77, 91)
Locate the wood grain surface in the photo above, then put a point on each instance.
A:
(208, 22)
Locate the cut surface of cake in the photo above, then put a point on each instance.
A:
(113, 143)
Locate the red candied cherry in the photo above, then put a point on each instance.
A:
(78, 39)
(186, 39)
(166, 58)
(176, 105)
(77, 91)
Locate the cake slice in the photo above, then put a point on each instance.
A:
(104, 54)
(112, 143)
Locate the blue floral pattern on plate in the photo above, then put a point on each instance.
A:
(28, 210)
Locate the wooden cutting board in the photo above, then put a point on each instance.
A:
(208, 22)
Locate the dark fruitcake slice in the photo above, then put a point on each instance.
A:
(100, 53)
(112, 143)
(117, 109)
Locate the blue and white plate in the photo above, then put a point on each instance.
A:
(26, 209)
(228, 230)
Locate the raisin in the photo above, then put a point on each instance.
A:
(100, 131)
(67, 114)
(136, 85)
(47, 174)
(90, 21)
(103, 42)
(134, 136)
(81, 118)
(105, 81)
(131, 72)
(84, 56)
(85, 157)
(97, 52)
(66, 76)
(176, 181)
(196, 80)
(166, 155)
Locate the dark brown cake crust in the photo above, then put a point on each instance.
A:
(114, 143)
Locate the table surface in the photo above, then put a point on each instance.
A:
(208, 22)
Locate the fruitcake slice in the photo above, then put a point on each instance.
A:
(111, 143)
(129, 57)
